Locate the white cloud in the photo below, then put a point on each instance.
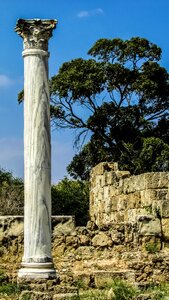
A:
(83, 14)
(5, 81)
(90, 13)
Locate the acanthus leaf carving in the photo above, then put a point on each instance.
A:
(35, 32)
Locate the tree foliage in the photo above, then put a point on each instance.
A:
(70, 197)
(120, 97)
(11, 194)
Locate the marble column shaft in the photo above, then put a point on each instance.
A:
(37, 259)
(37, 157)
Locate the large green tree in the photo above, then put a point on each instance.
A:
(120, 99)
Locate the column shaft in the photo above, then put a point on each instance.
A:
(37, 158)
(37, 259)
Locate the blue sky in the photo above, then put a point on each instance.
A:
(81, 23)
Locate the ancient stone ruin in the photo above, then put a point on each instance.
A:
(140, 202)
(127, 236)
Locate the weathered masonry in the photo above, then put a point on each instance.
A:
(141, 201)
(127, 236)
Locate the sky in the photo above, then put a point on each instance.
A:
(80, 24)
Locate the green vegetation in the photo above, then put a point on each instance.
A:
(71, 197)
(9, 289)
(120, 290)
(152, 247)
(123, 291)
(116, 290)
(158, 292)
(11, 194)
(119, 98)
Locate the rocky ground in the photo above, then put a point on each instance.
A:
(88, 259)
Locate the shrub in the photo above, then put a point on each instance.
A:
(151, 247)
(71, 197)
(123, 291)
(11, 194)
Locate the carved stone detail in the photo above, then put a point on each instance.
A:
(35, 32)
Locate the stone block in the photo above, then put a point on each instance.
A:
(92, 182)
(101, 168)
(114, 201)
(106, 192)
(104, 180)
(2, 235)
(84, 240)
(113, 217)
(134, 183)
(121, 203)
(66, 226)
(156, 180)
(59, 250)
(99, 196)
(111, 178)
(101, 240)
(11, 226)
(117, 237)
(121, 175)
(15, 229)
(147, 197)
(128, 186)
(120, 216)
(99, 181)
(131, 215)
(108, 205)
(165, 227)
(139, 182)
(115, 190)
(164, 205)
(162, 194)
(133, 200)
(72, 241)
(149, 225)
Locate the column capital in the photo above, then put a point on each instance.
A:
(35, 32)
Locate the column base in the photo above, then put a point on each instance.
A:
(37, 271)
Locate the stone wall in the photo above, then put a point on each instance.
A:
(89, 255)
(141, 201)
(127, 236)
(12, 227)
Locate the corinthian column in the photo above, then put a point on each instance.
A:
(37, 259)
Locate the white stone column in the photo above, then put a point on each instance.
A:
(37, 259)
